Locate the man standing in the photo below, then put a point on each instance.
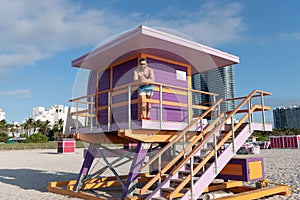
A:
(144, 74)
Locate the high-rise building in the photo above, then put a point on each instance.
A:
(287, 117)
(219, 81)
(2, 115)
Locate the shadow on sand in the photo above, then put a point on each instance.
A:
(33, 179)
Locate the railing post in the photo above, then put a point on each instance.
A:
(215, 112)
(77, 123)
(201, 124)
(216, 153)
(249, 115)
(129, 107)
(96, 104)
(233, 135)
(184, 135)
(251, 107)
(160, 107)
(108, 112)
(91, 113)
(192, 176)
(159, 168)
(219, 111)
(263, 110)
(214, 99)
(87, 119)
(183, 144)
(188, 106)
(174, 150)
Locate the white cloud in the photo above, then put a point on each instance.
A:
(278, 37)
(33, 30)
(293, 36)
(16, 94)
(12, 60)
(212, 24)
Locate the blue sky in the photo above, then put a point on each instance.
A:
(39, 39)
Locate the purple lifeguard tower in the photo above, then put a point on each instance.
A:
(176, 154)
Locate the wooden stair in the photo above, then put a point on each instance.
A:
(207, 157)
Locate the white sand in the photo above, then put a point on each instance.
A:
(25, 174)
(283, 166)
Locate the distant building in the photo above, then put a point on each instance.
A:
(287, 117)
(57, 112)
(16, 130)
(52, 114)
(2, 115)
(219, 81)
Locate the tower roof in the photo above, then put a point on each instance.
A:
(155, 42)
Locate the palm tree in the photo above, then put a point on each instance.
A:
(28, 125)
(3, 126)
(16, 129)
(60, 124)
(45, 126)
(38, 124)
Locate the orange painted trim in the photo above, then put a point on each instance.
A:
(189, 78)
(123, 103)
(102, 69)
(123, 61)
(166, 60)
(117, 63)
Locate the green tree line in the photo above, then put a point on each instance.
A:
(264, 136)
(34, 130)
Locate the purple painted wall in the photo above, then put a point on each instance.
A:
(123, 73)
(104, 80)
(120, 114)
(165, 73)
(103, 84)
(91, 84)
(123, 97)
(92, 89)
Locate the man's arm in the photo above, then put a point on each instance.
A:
(151, 75)
(135, 75)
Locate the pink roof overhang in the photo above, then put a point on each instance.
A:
(155, 42)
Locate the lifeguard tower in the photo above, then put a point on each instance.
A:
(176, 155)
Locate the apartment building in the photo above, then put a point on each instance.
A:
(219, 81)
(287, 117)
(2, 115)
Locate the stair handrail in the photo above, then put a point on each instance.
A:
(227, 118)
(181, 134)
(220, 143)
(182, 153)
(208, 156)
(211, 133)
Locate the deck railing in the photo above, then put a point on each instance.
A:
(86, 107)
(210, 133)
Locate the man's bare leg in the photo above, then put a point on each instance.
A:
(148, 110)
(143, 107)
(148, 106)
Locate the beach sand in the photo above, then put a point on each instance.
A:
(25, 174)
